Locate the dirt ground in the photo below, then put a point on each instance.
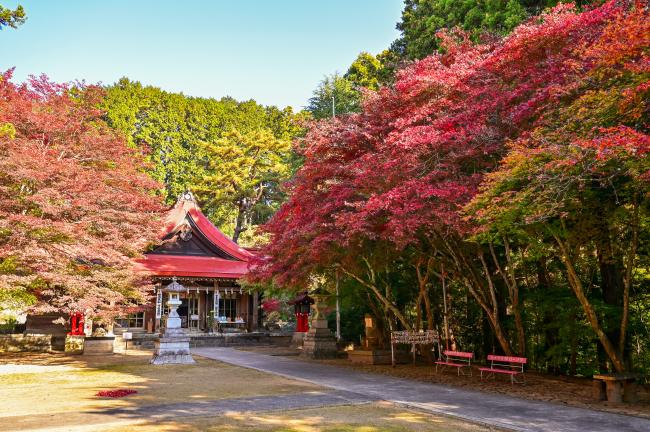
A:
(55, 392)
(52, 383)
(377, 417)
(571, 391)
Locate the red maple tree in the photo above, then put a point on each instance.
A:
(75, 203)
(393, 181)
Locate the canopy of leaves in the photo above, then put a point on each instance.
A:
(335, 95)
(422, 19)
(244, 172)
(546, 124)
(178, 133)
(75, 204)
(365, 71)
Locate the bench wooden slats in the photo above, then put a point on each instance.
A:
(459, 354)
(457, 359)
(507, 359)
(503, 371)
(451, 364)
(506, 365)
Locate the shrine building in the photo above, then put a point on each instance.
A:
(196, 254)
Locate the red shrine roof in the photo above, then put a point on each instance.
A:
(192, 266)
(192, 246)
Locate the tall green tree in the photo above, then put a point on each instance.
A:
(335, 95)
(422, 19)
(173, 129)
(365, 71)
(242, 177)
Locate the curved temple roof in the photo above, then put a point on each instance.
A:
(222, 258)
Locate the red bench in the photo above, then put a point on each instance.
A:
(513, 366)
(457, 359)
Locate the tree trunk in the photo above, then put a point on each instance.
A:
(576, 285)
(423, 285)
(513, 292)
(386, 302)
(627, 281)
(484, 295)
(240, 221)
(418, 312)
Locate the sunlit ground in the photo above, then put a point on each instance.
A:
(57, 393)
(359, 418)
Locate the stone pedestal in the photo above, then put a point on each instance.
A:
(297, 339)
(370, 352)
(173, 345)
(370, 356)
(99, 345)
(74, 344)
(319, 342)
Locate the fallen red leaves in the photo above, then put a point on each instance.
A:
(116, 393)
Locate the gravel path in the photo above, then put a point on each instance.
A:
(490, 409)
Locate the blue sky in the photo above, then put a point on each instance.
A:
(273, 51)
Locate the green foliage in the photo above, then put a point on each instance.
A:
(422, 19)
(8, 265)
(48, 235)
(365, 71)
(242, 175)
(183, 139)
(335, 95)
(7, 130)
(12, 18)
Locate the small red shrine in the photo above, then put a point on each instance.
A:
(302, 307)
(76, 324)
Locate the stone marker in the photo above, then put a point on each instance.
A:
(370, 352)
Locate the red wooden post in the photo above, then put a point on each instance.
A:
(80, 324)
(73, 325)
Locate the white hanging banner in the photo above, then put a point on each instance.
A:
(216, 304)
(159, 296)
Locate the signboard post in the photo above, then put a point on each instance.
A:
(127, 336)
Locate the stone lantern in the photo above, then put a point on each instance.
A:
(319, 342)
(173, 345)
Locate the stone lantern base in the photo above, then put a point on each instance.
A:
(296, 339)
(172, 347)
(319, 342)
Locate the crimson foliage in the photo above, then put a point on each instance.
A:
(406, 166)
(75, 204)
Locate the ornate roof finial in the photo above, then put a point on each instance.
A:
(186, 196)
